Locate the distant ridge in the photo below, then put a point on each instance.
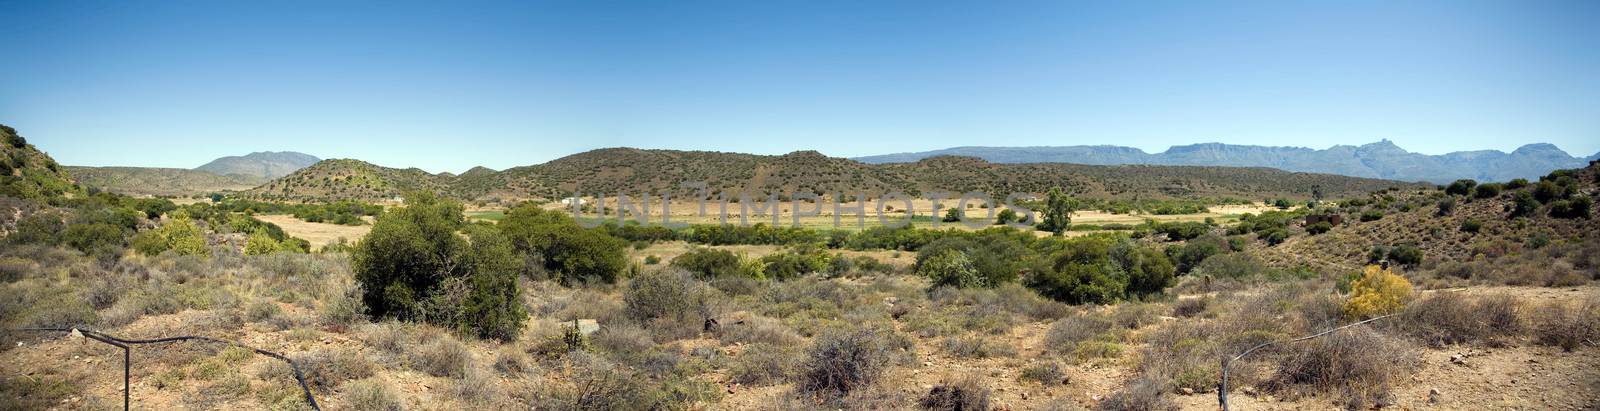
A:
(1382, 159)
(264, 165)
(633, 171)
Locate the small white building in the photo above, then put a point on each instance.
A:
(573, 202)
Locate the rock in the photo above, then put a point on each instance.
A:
(1433, 396)
(1458, 359)
(1186, 391)
(1248, 390)
(588, 326)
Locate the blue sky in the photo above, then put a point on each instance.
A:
(447, 87)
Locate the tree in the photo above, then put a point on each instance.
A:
(1523, 204)
(1058, 212)
(494, 307)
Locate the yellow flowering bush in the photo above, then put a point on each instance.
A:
(1379, 291)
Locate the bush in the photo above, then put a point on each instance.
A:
(1371, 215)
(1149, 271)
(794, 262)
(40, 228)
(413, 252)
(1406, 255)
(951, 268)
(763, 364)
(667, 294)
(179, 235)
(328, 368)
(94, 238)
(1358, 364)
(579, 254)
(1487, 191)
(1461, 187)
(965, 394)
(1567, 326)
(1006, 216)
(1048, 373)
(1471, 225)
(1065, 334)
(1378, 292)
(1082, 273)
(443, 357)
(1143, 394)
(712, 263)
(372, 395)
(1575, 208)
(1446, 206)
(1523, 204)
(1319, 228)
(843, 361)
(1450, 318)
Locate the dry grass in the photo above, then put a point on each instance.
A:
(1568, 326)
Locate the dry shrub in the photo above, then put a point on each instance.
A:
(1141, 394)
(1135, 315)
(977, 347)
(843, 361)
(623, 342)
(763, 364)
(390, 337)
(1190, 307)
(511, 360)
(1451, 318)
(328, 368)
(1048, 373)
(476, 389)
(1066, 333)
(1357, 364)
(443, 357)
(965, 394)
(757, 329)
(1566, 325)
(371, 394)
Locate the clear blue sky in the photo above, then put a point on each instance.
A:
(445, 87)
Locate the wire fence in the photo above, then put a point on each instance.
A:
(127, 345)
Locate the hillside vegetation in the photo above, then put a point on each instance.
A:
(149, 181)
(636, 172)
(263, 165)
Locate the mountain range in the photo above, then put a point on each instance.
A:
(265, 164)
(1382, 159)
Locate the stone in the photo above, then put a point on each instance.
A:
(1186, 391)
(1434, 396)
(588, 326)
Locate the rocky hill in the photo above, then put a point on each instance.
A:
(1471, 228)
(263, 165)
(637, 171)
(140, 181)
(26, 172)
(1382, 160)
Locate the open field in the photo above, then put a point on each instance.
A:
(319, 234)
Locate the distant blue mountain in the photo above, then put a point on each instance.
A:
(1382, 159)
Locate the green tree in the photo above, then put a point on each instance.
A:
(1058, 212)
(260, 243)
(1461, 187)
(1081, 273)
(494, 307)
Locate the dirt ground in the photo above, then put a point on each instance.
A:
(1521, 377)
(318, 234)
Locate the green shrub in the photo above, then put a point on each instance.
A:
(579, 254)
(413, 252)
(1489, 190)
(42, 228)
(712, 263)
(952, 268)
(1578, 207)
(1461, 187)
(1149, 271)
(794, 262)
(94, 237)
(1006, 216)
(1082, 273)
(1371, 215)
(1446, 206)
(1523, 204)
(1319, 228)
(1471, 225)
